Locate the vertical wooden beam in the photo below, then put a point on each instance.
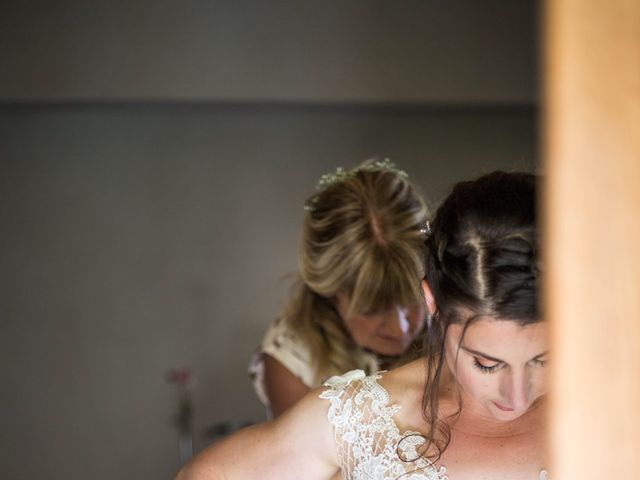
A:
(592, 233)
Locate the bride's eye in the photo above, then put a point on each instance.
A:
(540, 362)
(486, 367)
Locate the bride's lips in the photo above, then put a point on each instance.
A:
(503, 408)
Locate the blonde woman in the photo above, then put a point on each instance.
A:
(357, 303)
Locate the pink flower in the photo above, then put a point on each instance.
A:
(180, 376)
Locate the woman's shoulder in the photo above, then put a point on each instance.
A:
(405, 389)
(352, 391)
(280, 339)
(281, 344)
(367, 432)
(278, 329)
(396, 383)
(345, 385)
(397, 389)
(358, 408)
(405, 381)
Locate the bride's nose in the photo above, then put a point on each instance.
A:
(516, 389)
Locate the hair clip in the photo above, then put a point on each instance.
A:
(426, 230)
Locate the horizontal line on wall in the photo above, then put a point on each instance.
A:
(267, 105)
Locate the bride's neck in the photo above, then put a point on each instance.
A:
(467, 416)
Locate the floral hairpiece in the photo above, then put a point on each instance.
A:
(340, 175)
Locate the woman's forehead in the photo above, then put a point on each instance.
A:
(502, 338)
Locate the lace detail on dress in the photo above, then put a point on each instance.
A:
(369, 443)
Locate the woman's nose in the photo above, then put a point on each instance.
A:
(398, 321)
(516, 390)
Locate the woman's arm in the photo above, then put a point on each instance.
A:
(282, 387)
(298, 444)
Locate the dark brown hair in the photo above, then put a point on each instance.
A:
(481, 261)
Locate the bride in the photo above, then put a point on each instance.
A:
(472, 408)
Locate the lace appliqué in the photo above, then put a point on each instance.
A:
(370, 446)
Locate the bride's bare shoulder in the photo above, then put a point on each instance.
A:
(405, 385)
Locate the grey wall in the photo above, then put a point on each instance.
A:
(140, 238)
(139, 235)
(453, 51)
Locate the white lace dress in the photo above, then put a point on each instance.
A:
(370, 445)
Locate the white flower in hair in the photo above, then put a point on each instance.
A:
(373, 165)
(341, 174)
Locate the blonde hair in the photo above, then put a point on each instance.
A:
(363, 236)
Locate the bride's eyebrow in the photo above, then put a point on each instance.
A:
(494, 359)
(483, 355)
(543, 354)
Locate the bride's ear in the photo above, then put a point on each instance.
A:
(428, 297)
